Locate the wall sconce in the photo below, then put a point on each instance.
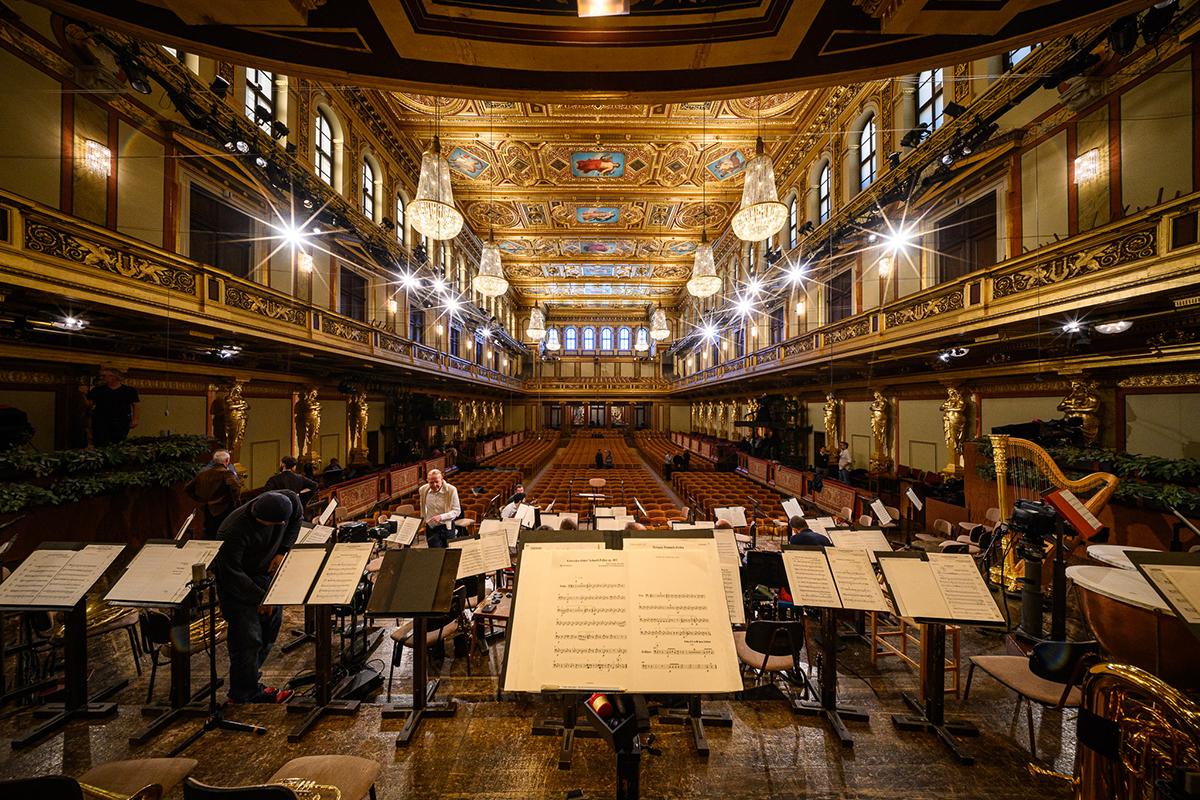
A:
(305, 262)
(439, 329)
(885, 265)
(392, 306)
(801, 307)
(97, 158)
(1087, 166)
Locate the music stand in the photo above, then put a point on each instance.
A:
(26, 646)
(417, 584)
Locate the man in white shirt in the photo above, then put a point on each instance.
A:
(510, 510)
(439, 509)
(844, 461)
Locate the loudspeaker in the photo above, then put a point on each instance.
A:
(668, 366)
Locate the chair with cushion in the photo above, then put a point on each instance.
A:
(847, 514)
(157, 641)
(438, 629)
(773, 647)
(1050, 675)
(943, 530)
(352, 776)
(127, 777)
(865, 521)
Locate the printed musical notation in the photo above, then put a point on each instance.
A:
(58, 578)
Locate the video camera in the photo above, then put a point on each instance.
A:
(1034, 521)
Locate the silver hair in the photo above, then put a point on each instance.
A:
(432, 471)
(224, 456)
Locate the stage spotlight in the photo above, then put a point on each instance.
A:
(219, 87)
(1157, 19)
(279, 130)
(1072, 326)
(439, 285)
(70, 324)
(899, 239)
(263, 115)
(954, 110)
(893, 160)
(796, 273)
(710, 332)
(745, 307)
(260, 162)
(1110, 328)
(135, 73)
(410, 281)
(915, 136)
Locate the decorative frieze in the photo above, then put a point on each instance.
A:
(57, 243)
(344, 330)
(1160, 381)
(1133, 246)
(924, 309)
(850, 329)
(266, 306)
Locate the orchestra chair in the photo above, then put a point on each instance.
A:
(847, 513)
(894, 513)
(944, 532)
(439, 629)
(1049, 675)
(352, 776)
(156, 640)
(406, 510)
(119, 778)
(126, 622)
(865, 521)
(464, 525)
(773, 647)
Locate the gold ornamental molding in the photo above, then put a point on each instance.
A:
(924, 309)
(57, 243)
(1163, 381)
(1132, 246)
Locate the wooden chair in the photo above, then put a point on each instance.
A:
(354, 777)
(1049, 675)
(944, 532)
(157, 640)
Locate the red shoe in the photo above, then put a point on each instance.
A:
(273, 695)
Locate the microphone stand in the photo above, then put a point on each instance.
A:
(215, 719)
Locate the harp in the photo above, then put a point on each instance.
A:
(1026, 471)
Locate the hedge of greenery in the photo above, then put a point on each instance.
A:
(30, 478)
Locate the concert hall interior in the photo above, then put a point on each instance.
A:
(331, 328)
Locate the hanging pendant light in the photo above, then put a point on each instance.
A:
(537, 324)
(433, 212)
(658, 325)
(704, 281)
(761, 214)
(490, 280)
(552, 342)
(643, 341)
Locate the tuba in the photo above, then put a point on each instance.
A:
(1026, 471)
(1133, 730)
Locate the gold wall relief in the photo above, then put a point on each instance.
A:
(924, 309)
(880, 417)
(1133, 246)
(356, 423)
(57, 243)
(1083, 404)
(954, 425)
(230, 411)
(307, 413)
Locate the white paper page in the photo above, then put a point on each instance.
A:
(856, 583)
(555, 520)
(32, 576)
(471, 562)
(406, 530)
(295, 577)
(159, 573)
(563, 546)
(963, 588)
(317, 534)
(700, 523)
(495, 551)
(915, 589)
(612, 523)
(327, 514)
(881, 513)
(791, 507)
(870, 540)
(78, 575)
(1181, 584)
(735, 514)
(728, 559)
(810, 579)
(604, 511)
(550, 507)
(912, 498)
(525, 514)
(343, 570)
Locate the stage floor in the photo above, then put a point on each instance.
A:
(486, 750)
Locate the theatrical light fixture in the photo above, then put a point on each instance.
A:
(227, 351)
(899, 239)
(136, 74)
(70, 324)
(279, 130)
(745, 307)
(1109, 328)
(659, 329)
(439, 285)
(642, 344)
(241, 147)
(915, 136)
(451, 306)
(97, 158)
(704, 281)
(954, 110)
(796, 273)
(761, 214)
(602, 8)
(552, 342)
(490, 280)
(433, 212)
(260, 162)
(307, 202)
(219, 87)
(291, 234)
(952, 352)
(263, 115)
(304, 261)
(1087, 166)
(1072, 326)
(710, 332)
(410, 281)
(537, 324)
(753, 286)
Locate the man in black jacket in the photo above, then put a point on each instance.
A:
(288, 478)
(255, 537)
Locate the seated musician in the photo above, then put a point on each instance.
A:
(802, 534)
(510, 510)
(568, 524)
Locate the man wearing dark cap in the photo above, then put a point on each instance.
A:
(288, 478)
(255, 538)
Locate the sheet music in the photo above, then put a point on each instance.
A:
(488, 553)
(186, 524)
(641, 508)
(676, 524)
(881, 513)
(341, 575)
(563, 546)
(327, 514)
(912, 498)
(555, 520)
(735, 514)
(317, 534)
(159, 574)
(810, 579)
(872, 541)
(791, 507)
(526, 515)
(52, 577)
(963, 588)
(406, 530)
(295, 577)
(35, 574)
(728, 558)
(648, 620)
(1181, 584)
(612, 523)
(550, 507)
(855, 579)
(915, 588)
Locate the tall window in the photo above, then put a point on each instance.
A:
(416, 324)
(929, 99)
(571, 339)
(866, 154)
(841, 296)
(824, 193)
(624, 339)
(368, 189)
(260, 91)
(739, 342)
(352, 295)
(455, 340)
(323, 144)
(966, 240)
(479, 351)
(793, 221)
(1014, 57)
(589, 338)
(400, 218)
(221, 235)
(606, 339)
(776, 324)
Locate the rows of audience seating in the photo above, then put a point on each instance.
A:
(709, 490)
(529, 456)
(656, 446)
(580, 452)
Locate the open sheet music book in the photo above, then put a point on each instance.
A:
(406, 530)
(1176, 578)
(871, 540)
(313, 534)
(57, 574)
(939, 587)
(611, 511)
(613, 523)
(791, 507)
(319, 575)
(511, 528)
(555, 520)
(624, 620)
(526, 515)
(912, 498)
(161, 571)
(881, 513)
(735, 514)
(677, 524)
(487, 552)
(728, 557)
(327, 514)
(829, 577)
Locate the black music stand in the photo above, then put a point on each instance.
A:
(930, 716)
(322, 702)
(417, 584)
(827, 705)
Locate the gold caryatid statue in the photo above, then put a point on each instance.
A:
(308, 425)
(229, 410)
(831, 421)
(954, 424)
(880, 460)
(356, 421)
(1083, 404)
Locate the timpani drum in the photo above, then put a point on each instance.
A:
(1114, 555)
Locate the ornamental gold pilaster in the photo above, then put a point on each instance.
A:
(307, 416)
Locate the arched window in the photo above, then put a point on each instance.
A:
(400, 219)
(793, 221)
(624, 339)
(606, 339)
(323, 141)
(368, 189)
(929, 99)
(260, 91)
(589, 338)
(571, 339)
(866, 154)
(824, 193)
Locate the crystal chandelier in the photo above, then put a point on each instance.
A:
(552, 342)
(537, 324)
(433, 212)
(643, 342)
(658, 325)
(704, 281)
(490, 281)
(761, 214)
